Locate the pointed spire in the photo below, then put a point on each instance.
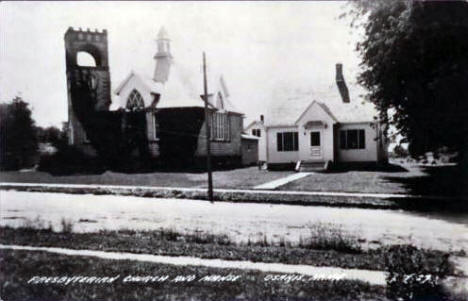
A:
(162, 34)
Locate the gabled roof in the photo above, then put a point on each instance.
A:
(217, 85)
(179, 88)
(178, 91)
(254, 123)
(321, 105)
(285, 110)
(151, 85)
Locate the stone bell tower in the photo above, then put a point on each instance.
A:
(88, 87)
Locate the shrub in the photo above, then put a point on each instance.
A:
(69, 159)
(36, 224)
(67, 225)
(414, 274)
(330, 237)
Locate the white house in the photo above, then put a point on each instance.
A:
(257, 128)
(310, 131)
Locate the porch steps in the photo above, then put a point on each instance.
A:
(311, 166)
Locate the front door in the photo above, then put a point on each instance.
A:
(315, 145)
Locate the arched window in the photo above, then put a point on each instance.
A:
(85, 59)
(135, 101)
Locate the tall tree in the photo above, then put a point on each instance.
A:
(415, 66)
(18, 146)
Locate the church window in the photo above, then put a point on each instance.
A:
(154, 126)
(135, 101)
(220, 127)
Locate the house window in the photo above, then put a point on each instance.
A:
(353, 139)
(287, 141)
(314, 138)
(220, 127)
(135, 101)
(257, 132)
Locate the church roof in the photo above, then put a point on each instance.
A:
(286, 110)
(178, 87)
(151, 85)
(179, 91)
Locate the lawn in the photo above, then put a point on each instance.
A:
(236, 178)
(408, 179)
(411, 179)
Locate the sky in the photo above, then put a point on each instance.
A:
(260, 48)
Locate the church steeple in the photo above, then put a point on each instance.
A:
(163, 57)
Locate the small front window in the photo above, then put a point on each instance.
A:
(314, 138)
(257, 132)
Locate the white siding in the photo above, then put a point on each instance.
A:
(369, 153)
(262, 146)
(273, 155)
(316, 113)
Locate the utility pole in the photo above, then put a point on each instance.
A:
(207, 127)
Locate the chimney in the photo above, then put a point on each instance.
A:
(262, 119)
(340, 82)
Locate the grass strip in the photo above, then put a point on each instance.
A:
(19, 267)
(167, 242)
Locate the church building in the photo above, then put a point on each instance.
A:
(171, 107)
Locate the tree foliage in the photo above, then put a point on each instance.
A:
(18, 135)
(52, 135)
(415, 66)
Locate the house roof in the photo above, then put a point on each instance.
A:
(323, 106)
(253, 123)
(286, 110)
